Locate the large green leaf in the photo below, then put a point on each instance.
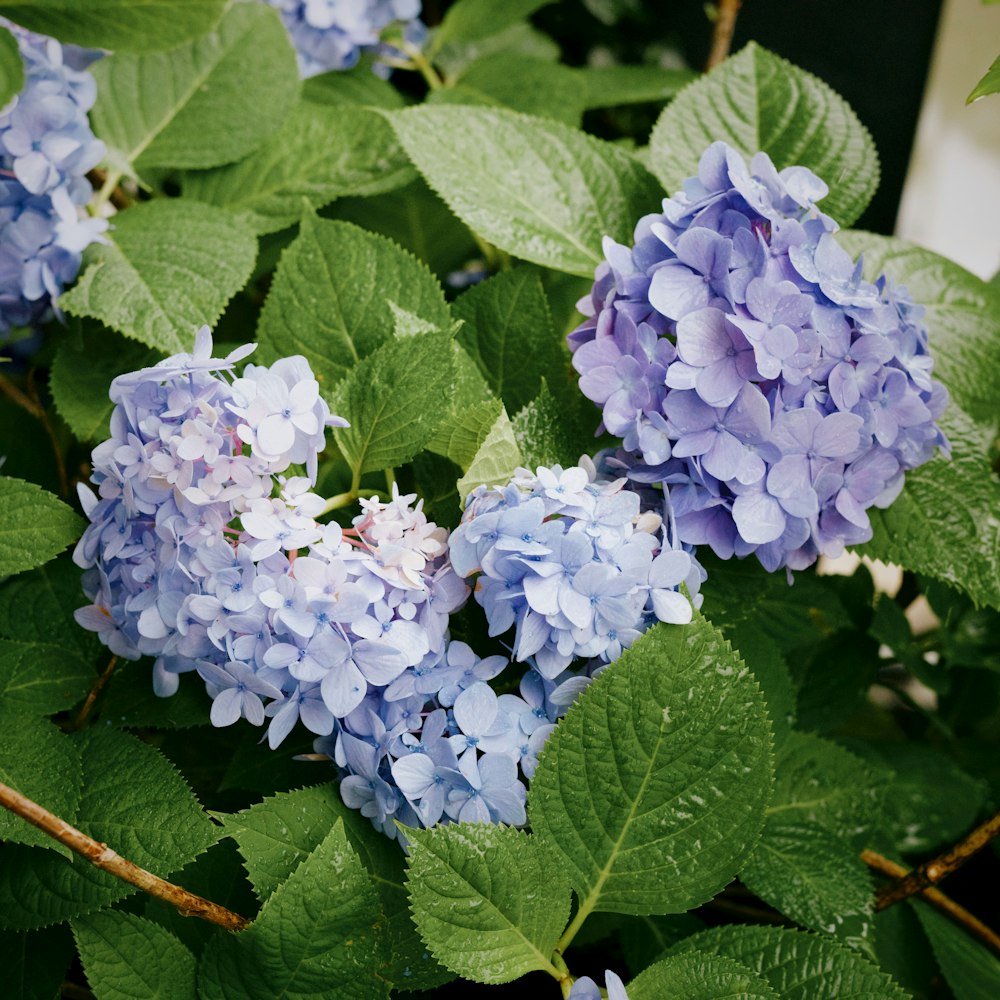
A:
(494, 461)
(40, 761)
(489, 901)
(318, 935)
(126, 957)
(11, 67)
(508, 331)
(81, 374)
(469, 20)
(395, 399)
(41, 678)
(117, 24)
(798, 966)
(698, 976)
(209, 102)
(654, 784)
(276, 835)
(535, 188)
(321, 153)
(134, 801)
(336, 294)
(756, 101)
(170, 268)
(972, 972)
(609, 86)
(34, 526)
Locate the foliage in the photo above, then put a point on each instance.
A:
(705, 759)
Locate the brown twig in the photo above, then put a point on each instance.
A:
(722, 34)
(933, 871)
(93, 693)
(936, 898)
(103, 857)
(43, 416)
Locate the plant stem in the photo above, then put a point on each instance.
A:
(30, 402)
(722, 35)
(340, 500)
(933, 871)
(103, 857)
(936, 898)
(423, 65)
(107, 193)
(93, 693)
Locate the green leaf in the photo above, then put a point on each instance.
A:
(126, 957)
(962, 315)
(11, 67)
(117, 24)
(534, 86)
(170, 268)
(131, 703)
(395, 400)
(469, 20)
(495, 461)
(814, 877)
(535, 188)
(519, 39)
(464, 430)
(37, 607)
(318, 935)
(989, 84)
(134, 801)
(756, 101)
(42, 678)
(928, 802)
(34, 964)
(508, 331)
(321, 153)
(34, 526)
(698, 976)
(276, 835)
(972, 972)
(653, 785)
(611, 86)
(418, 220)
(206, 103)
(40, 761)
(81, 373)
(944, 523)
(545, 434)
(489, 901)
(798, 966)
(354, 86)
(333, 295)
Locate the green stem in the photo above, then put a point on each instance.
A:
(423, 66)
(565, 979)
(340, 500)
(574, 926)
(107, 189)
(390, 479)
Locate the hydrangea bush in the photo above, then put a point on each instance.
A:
(330, 600)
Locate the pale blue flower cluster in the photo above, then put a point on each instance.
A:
(46, 149)
(748, 366)
(586, 989)
(576, 564)
(332, 34)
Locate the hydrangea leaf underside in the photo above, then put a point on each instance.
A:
(134, 800)
(537, 189)
(34, 525)
(797, 965)
(319, 934)
(321, 153)
(125, 956)
(654, 785)
(332, 294)
(209, 102)
(169, 268)
(118, 24)
(758, 102)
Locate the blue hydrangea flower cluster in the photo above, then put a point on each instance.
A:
(46, 149)
(745, 362)
(578, 565)
(332, 34)
(586, 989)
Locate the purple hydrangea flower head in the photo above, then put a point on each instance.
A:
(751, 370)
(579, 565)
(332, 34)
(46, 149)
